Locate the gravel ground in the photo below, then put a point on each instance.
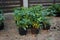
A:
(10, 31)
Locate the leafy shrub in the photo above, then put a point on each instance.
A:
(21, 17)
(32, 16)
(35, 12)
(53, 9)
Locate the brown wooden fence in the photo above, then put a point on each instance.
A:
(8, 5)
(43, 2)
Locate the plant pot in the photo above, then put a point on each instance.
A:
(22, 31)
(57, 14)
(2, 26)
(34, 31)
(47, 27)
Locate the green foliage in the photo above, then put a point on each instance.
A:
(36, 8)
(31, 16)
(55, 8)
(22, 17)
(35, 12)
(39, 15)
(1, 16)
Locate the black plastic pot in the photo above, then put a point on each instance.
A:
(57, 14)
(22, 31)
(45, 28)
(2, 26)
(34, 31)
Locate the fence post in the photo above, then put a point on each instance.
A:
(25, 3)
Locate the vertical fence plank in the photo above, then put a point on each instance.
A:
(25, 3)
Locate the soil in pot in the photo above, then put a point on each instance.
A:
(2, 26)
(34, 31)
(22, 31)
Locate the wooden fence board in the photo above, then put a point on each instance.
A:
(43, 2)
(8, 5)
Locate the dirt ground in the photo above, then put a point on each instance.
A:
(10, 31)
